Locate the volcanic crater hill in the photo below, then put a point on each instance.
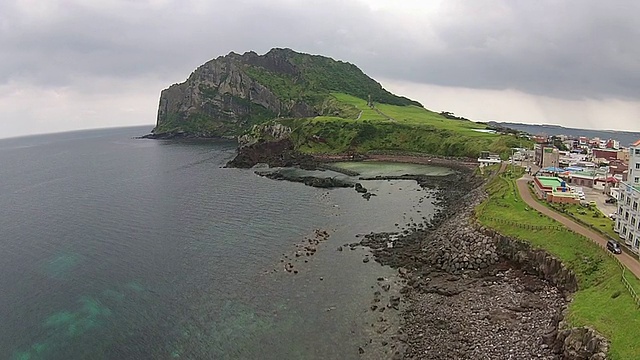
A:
(227, 95)
(324, 106)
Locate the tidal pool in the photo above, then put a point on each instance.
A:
(383, 168)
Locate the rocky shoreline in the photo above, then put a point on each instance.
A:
(473, 294)
(466, 292)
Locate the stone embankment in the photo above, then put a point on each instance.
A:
(474, 294)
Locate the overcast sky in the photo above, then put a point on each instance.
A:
(68, 65)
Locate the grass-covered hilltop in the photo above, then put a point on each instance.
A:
(323, 105)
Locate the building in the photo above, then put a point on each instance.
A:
(582, 178)
(623, 155)
(618, 169)
(628, 217)
(546, 156)
(487, 159)
(634, 163)
(605, 154)
(554, 190)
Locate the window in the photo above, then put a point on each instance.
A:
(621, 197)
(626, 215)
(636, 180)
(637, 244)
(638, 166)
(635, 205)
(624, 230)
(637, 152)
(633, 221)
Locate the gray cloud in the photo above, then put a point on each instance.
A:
(572, 49)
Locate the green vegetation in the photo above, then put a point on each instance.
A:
(602, 301)
(322, 73)
(316, 77)
(398, 129)
(589, 215)
(352, 112)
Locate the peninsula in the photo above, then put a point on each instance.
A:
(320, 104)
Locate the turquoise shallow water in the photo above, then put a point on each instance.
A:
(115, 248)
(381, 168)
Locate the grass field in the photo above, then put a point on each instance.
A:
(602, 301)
(395, 128)
(360, 104)
(589, 215)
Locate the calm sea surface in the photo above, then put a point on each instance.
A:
(115, 248)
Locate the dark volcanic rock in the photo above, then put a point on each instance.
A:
(279, 153)
(318, 182)
(473, 294)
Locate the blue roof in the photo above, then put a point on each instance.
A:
(553, 169)
(574, 168)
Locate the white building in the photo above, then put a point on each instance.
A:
(634, 164)
(628, 219)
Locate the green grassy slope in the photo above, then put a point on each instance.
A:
(353, 112)
(395, 128)
(602, 301)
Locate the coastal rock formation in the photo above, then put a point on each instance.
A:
(229, 94)
(581, 343)
(264, 132)
(279, 153)
(534, 261)
(474, 294)
(319, 182)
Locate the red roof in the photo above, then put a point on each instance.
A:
(612, 179)
(637, 143)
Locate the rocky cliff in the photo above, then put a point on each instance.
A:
(229, 94)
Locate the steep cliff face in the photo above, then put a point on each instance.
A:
(229, 94)
(217, 99)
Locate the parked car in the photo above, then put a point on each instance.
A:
(614, 247)
(611, 200)
(612, 216)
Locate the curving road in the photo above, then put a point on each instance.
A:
(631, 262)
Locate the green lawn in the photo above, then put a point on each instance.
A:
(397, 129)
(602, 301)
(414, 115)
(590, 215)
(360, 104)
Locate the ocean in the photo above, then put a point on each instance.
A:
(121, 248)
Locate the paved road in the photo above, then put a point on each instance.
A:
(631, 262)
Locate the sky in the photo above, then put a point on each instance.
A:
(69, 64)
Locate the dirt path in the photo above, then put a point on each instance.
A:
(383, 114)
(631, 262)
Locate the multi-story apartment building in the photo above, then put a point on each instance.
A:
(628, 218)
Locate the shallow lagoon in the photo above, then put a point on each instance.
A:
(381, 168)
